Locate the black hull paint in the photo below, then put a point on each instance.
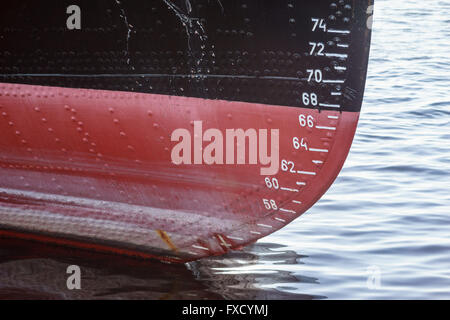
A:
(252, 51)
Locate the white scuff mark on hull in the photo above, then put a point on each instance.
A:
(221, 6)
(129, 30)
(193, 26)
(188, 6)
(187, 21)
(106, 220)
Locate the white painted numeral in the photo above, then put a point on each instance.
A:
(272, 183)
(319, 23)
(288, 166)
(306, 120)
(309, 99)
(314, 74)
(317, 46)
(270, 204)
(299, 143)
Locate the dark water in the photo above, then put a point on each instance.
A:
(381, 231)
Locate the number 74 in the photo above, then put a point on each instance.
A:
(319, 23)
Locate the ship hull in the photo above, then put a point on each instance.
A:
(143, 162)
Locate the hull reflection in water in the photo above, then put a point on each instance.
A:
(39, 272)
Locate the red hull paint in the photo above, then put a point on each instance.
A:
(92, 169)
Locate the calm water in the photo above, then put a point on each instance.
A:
(381, 231)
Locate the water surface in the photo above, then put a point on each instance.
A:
(382, 231)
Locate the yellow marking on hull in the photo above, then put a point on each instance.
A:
(165, 237)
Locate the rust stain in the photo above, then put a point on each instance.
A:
(165, 237)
